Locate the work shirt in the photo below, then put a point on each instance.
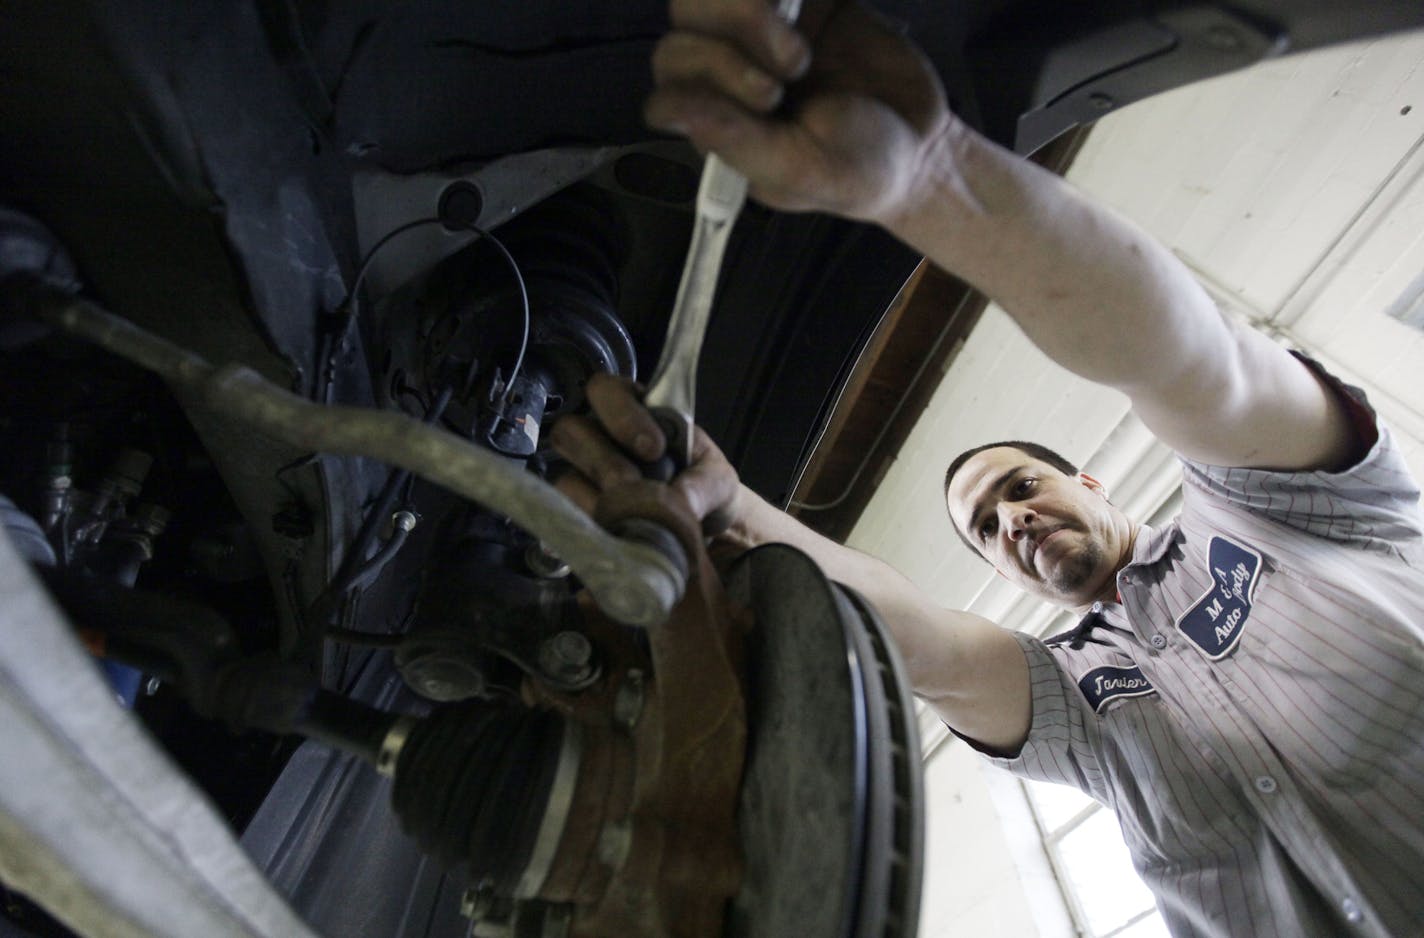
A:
(1253, 707)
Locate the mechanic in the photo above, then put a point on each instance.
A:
(1244, 688)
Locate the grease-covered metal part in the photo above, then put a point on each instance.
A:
(649, 849)
(632, 582)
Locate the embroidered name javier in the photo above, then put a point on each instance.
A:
(1217, 620)
(1103, 685)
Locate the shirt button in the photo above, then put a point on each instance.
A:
(1097, 608)
(1159, 641)
(1265, 784)
(1351, 910)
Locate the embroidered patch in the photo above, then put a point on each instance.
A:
(1104, 685)
(1215, 623)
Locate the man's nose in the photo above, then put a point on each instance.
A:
(1016, 520)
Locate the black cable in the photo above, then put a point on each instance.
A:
(524, 302)
(353, 297)
(326, 351)
(366, 574)
(353, 300)
(353, 565)
(353, 570)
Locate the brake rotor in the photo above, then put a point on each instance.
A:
(831, 809)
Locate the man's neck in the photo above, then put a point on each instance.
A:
(1108, 593)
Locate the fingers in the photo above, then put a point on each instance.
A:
(618, 406)
(592, 453)
(688, 59)
(776, 156)
(723, 66)
(852, 141)
(601, 450)
(579, 489)
(709, 484)
(751, 28)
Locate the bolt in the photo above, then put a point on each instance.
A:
(628, 703)
(544, 563)
(566, 656)
(404, 520)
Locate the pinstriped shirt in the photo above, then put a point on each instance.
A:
(1253, 708)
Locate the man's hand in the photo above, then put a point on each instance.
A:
(606, 447)
(839, 122)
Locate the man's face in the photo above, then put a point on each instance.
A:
(1051, 534)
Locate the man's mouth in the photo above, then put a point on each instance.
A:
(1044, 539)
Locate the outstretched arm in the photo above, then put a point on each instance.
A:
(969, 670)
(854, 122)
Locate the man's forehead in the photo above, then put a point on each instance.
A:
(979, 473)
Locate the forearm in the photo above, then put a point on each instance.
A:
(1095, 293)
(758, 522)
(1103, 299)
(942, 648)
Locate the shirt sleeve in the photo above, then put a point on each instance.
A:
(1373, 504)
(1062, 744)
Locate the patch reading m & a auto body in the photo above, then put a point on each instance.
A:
(1217, 620)
(1101, 686)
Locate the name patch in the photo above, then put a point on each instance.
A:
(1216, 622)
(1101, 686)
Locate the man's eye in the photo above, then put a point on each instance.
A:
(1024, 486)
(986, 530)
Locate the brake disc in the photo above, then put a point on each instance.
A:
(831, 809)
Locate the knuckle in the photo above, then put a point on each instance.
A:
(561, 433)
(624, 425)
(605, 390)
(611, 468)
(667, 58)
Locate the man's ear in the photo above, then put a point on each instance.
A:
(1093, 484)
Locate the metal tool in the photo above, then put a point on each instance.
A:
(672, 393)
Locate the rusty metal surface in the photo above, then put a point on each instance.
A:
(650, 848)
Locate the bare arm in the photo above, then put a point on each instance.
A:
(1106, 301)
(971, 671)
(871, 137)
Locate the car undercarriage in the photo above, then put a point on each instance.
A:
(296, 625)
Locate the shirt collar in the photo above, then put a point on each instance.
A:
(1152, 543)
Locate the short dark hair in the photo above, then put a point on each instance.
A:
(1034, 450)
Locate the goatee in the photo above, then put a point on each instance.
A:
(1073, 573)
